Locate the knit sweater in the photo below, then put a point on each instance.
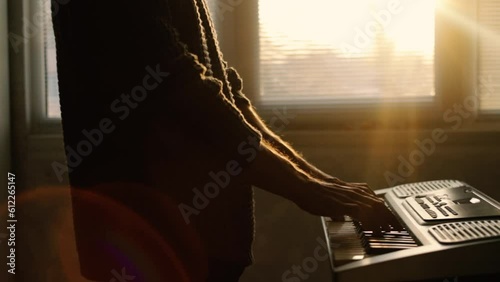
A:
(108, 52)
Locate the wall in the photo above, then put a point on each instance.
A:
(5, 133)
(4, 93)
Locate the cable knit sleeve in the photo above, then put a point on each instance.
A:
(237, 88)
(198, 102)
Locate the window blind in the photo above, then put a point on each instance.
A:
(51, 84)
(337, 50)
(489, 55)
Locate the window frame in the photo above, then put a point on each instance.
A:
(40, 121)
(25, 17)
(392, 114)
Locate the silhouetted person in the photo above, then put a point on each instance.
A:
(148, 101)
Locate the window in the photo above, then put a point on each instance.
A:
(489, 55)
(338, 51)
(385, 54)
(32, 27)
(345, 53)
(51, 87)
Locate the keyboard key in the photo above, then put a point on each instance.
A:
(384, 241)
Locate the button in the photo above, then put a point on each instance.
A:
(418, 200)
(451, 210)
(437, 198)
(442, 211)
(432, 213)
(430, 200)
(425, 206)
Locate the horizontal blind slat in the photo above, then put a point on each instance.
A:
(489, 55)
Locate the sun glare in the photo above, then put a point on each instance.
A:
(407, 25)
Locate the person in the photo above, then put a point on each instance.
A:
(146, 84)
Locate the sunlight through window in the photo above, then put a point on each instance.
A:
(489, 52)
(336, 49)
(51, 82)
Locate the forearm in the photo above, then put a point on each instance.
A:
(275, 173)
(246, 108)
(279, 144)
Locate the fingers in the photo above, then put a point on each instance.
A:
(356, 193)
(328, 199)
(343, 208)
(348, 197)
(358, 202)
(365, 191)
(361, 206)
(323, 200)
(335, 200)
(363, 186)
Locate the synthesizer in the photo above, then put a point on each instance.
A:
(448, 231)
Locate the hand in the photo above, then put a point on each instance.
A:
(381, 218)
(335, 200)
(323, 176)
(335, 180)
(274, 173)
(328, 199)
(376, 219)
